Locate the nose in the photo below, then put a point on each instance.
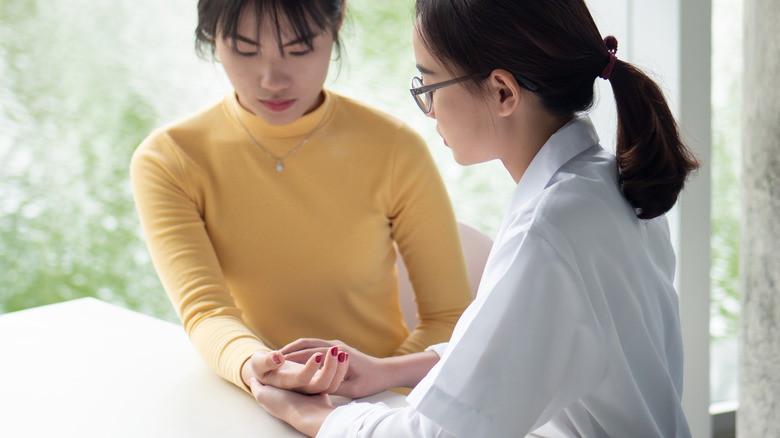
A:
(274, 77)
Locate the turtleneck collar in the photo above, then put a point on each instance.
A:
(262, 130)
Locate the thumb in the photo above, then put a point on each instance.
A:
(273, 360)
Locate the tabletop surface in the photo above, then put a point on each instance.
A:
(90, 369)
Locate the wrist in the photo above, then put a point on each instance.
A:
(409, 369)
(309, 420)
(248, 370)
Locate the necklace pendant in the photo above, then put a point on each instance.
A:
(279, 166)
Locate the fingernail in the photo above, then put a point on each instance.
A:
(318, 358)
(342, 357)
(275, 358)
(334, 351)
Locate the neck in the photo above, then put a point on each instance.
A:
(269, 133)
(524, 135)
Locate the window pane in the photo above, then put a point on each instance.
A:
(726, 162)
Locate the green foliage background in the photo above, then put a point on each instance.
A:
(69, 126)
(83, 82)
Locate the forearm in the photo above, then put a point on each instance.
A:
(428, 239)
(430, 331)
(186, 261)
(225, 344)
(308, 419)
(407, 370)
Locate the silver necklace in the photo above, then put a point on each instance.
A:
(279, 165)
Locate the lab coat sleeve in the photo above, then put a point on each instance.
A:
(364, 420)
(526, 348)
(438, 348)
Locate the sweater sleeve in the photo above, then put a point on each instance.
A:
(426, 232)
(170, 212)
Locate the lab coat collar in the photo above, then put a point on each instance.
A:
(573, 138)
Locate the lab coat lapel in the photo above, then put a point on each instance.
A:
(573, 138)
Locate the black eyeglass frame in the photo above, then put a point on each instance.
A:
(416, 91)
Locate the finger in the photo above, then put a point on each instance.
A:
(341, 371)
(304, 355)
(263, 362)
(255, 386)
(306, 375)
(324, 377)
(270, 361)
(305, 343)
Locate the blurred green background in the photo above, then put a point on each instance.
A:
(83, 82)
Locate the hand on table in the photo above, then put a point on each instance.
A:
(319, 373)
(364, 375)
(306, 413)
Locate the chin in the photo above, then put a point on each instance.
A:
(468, 160)
(279, 118)
(464, 161)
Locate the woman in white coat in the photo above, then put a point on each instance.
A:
(575, 329)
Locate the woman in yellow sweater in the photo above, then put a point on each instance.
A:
(274, 214)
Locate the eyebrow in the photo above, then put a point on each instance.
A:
(424, 70)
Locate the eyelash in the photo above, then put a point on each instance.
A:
(296, 53)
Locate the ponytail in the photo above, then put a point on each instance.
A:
(652, 159)
(558, 46)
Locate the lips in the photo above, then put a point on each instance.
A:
(277, 105)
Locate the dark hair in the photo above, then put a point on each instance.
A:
(556, 45)
(219, 19)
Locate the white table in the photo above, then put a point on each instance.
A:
(85, 368)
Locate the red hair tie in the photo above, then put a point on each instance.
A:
(612, 45)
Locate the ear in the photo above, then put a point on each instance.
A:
(505, 93)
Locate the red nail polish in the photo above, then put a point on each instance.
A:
(342, 357)
(318, 358)
(275, 358)
(334, 351)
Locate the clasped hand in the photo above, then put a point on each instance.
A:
(358, 375)
(321, 372)
(344, 371)
(363, 375)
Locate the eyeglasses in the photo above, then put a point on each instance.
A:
(423, 94)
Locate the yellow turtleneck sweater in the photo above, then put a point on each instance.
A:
(253, 258)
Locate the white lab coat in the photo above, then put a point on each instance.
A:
(575, 329)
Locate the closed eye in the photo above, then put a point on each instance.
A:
(244, 46)
(301, 46)
(300, 52)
